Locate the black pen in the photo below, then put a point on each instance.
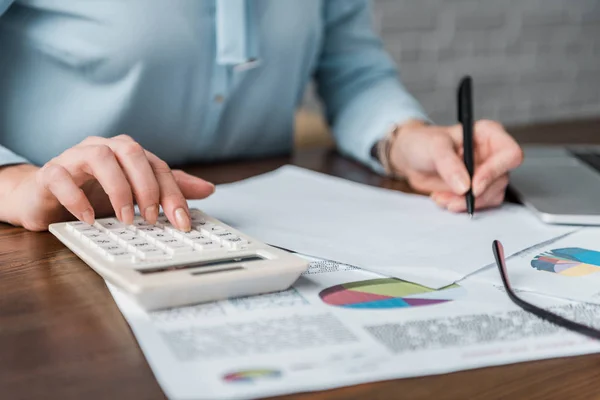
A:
(465, 118)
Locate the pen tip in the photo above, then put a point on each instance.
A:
(470, 215)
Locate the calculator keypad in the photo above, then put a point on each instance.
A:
(116, 241)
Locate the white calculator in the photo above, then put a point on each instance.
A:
(160, 266)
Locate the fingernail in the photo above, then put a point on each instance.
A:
(459, 184)
(213, 187)
(182, 219)
(480, 187)
(151, 214)
(88, 216)
(127, 214)
(434, 197)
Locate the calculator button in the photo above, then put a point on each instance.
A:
(103, 241)
(175, 244)
(166, 241)
(236, 243)
(138, 244)
(90, 236)
(113, 247)
(162, 219)
(151, 253)
(188, 235)
(151, 231)
(207, 245)
(78, 226)
(110, 224)
(212, 230)
(195, 237)
(224, 236)
(139, 221)
(144, 230)
(198, 219)
(132, 240)
(126, 238)
(168, 227)
(159, 237)
(91, 232)
(118, 255)
(199, 225)
(205, 225)
(176, 247)
(176, 233)
(121, 235)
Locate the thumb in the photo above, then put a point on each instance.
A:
(449, 165)
(191, 186)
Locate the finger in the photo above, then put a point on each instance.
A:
(456, 133)
(449, 166)
(57, 180)
(444, 198)
(506, 155)
(496, 166)
(427, 183)
(489, 200)
(100, 162)
(492, 197)
(193, 187)
(172, 200)
(484, 130)
(134, 162)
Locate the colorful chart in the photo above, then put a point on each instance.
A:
(251, 375)
(570, 261)
(388, 293)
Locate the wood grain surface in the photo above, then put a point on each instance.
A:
(62, 336)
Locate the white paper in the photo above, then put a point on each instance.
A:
(573, 261)
(296, 340)
(385, 231)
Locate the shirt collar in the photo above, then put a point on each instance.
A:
(235, 34)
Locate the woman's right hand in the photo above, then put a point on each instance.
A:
(100, 177)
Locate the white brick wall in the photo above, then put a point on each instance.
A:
(531, 60)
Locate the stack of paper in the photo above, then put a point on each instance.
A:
(385, 231)
(341, 325)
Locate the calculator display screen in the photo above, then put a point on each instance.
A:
(204, 264)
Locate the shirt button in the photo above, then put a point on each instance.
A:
(219, 98)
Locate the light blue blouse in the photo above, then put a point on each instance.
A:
(191, 80)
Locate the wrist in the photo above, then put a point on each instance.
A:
(11, 177)
(384, 150)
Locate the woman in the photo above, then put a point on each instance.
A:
(191, 81)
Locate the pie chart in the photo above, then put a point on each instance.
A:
(570, 261)
(388, 293)
(251, 375)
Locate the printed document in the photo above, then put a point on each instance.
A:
(567, 267)
(340, 326)
(385, 231)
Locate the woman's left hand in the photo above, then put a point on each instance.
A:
(431, 158)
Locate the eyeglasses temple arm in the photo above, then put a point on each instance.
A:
(540, 312)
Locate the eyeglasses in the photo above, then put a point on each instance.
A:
(540, 312)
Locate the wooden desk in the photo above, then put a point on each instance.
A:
(61, 335)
